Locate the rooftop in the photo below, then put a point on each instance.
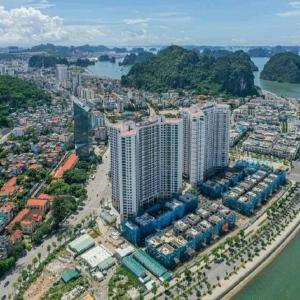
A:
(33, 202)
(95, 256)
(67, 165)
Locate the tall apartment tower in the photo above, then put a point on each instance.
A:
(146, 163)
(62, 73)
(206, 140)
(82, 129)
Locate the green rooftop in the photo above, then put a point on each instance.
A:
(167, 276)
(107, 263)
(82, 244)
(69, 275)
(134, 266)
(149, 263)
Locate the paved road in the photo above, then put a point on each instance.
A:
(4, 138)
(97, 188)
(295, 171)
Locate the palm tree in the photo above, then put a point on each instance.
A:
(24, 274)
(39, 257)
(29, 267)
(34, 261)
(59, 239)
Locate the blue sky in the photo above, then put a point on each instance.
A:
(155, 22)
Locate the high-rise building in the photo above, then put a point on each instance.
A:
(75, 80)
(82, 129)
(206, 140)
(146, 163)
(98, 119)
(85, 93)
(2, 70)
(62, 73)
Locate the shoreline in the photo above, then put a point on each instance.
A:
(272, 256)
(229, 288)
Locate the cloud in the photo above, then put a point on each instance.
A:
(295, 4)
(43, 4)
(28, 25)
(291, 13)
(136, 21)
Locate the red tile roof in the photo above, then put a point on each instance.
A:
(11, 182)
(20, 216)
(8, 206)
(46, 197)
(10, 187)
(33, 216)
(36, 202)
(16, 235)
(35, 166)
(67, 165)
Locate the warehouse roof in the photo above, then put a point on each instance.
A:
(69, 275)
(82, 244)
(95, 256)
(134, 266)
(150, 263)
(107, 263)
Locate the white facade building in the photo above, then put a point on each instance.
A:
(146, 163)
(86, 93)
(62, 73)
(206, 130)
(2, 70)
(98, 119)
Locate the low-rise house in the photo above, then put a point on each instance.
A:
(31, 220)
(38, 204)
(17, 220)
(7, 211)
(16, 236)
(9, 189)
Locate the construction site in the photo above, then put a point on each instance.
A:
(158, 217)
(254, 191)
(189, 235)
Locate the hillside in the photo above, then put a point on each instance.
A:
(18, 94)
(131, 59)
(220, 53)
(177, 68)
(270, 51)
(49, 61)
(283, 67)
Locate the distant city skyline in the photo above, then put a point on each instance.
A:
(157, 22)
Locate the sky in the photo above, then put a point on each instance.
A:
(151, 22)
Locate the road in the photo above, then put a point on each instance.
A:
(295, 171)
(4, 138)
(97, 188)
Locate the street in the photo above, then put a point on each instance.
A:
(97, 188)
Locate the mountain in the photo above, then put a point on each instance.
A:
(282, 67)
(67, 51)
(217, 53)
(177, 68)
(17, 94)
(42, 61)
(260, 52)
(131, 59)
(270, 51)
(108, 58)
(49, 61)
